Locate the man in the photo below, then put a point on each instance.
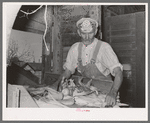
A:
(94, 59)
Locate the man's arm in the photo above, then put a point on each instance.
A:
(111, 97)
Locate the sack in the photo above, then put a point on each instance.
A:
(91, 100)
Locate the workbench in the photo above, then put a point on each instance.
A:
(19, 97)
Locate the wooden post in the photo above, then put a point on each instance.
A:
(99, 21)
(95, 13)
(57, 45)
(16, 98)
(46, 54)
(105, 13)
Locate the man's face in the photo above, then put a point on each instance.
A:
(87, 38)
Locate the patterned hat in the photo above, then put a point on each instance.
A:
(86, 24)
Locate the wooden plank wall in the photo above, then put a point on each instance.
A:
(140, 59)
(122, 32)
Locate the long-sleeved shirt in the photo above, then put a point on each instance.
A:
(106, 59)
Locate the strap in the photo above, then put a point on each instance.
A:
(80, 52)
(97, 48)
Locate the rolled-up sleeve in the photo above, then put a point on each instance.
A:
(110, 60)
(71, 62)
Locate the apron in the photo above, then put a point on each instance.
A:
(90, 70)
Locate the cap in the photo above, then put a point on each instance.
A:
(86, 24)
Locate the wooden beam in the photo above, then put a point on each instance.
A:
(105, 14)
(46, 53)
(57, 45)
(95, 13)
(29, 29)
(37, 22)
(112, 12)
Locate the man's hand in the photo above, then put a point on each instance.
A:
(111, 99)
(62, 78)
(61, 82)
(111, 96)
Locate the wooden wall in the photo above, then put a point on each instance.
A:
(140, 60)
(126, 35)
